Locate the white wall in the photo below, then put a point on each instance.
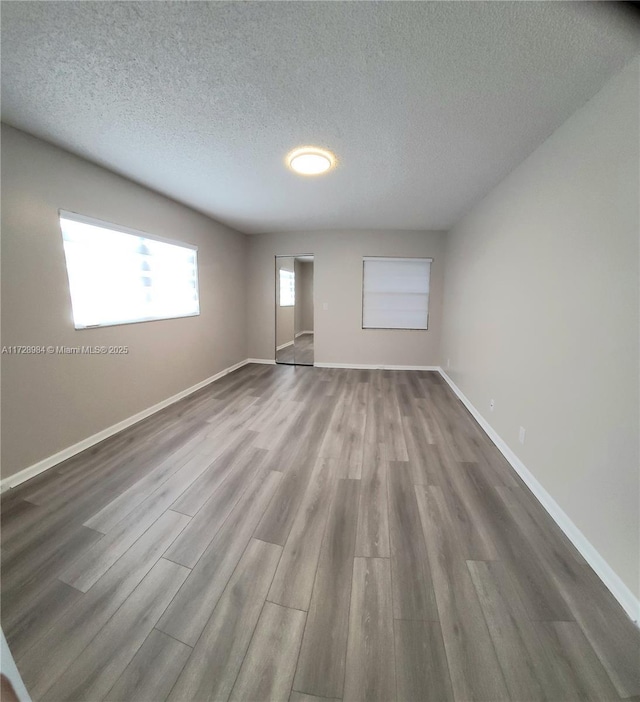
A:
(337, 279)
(541, 314)
(51, 402)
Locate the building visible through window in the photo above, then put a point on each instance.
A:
(119, 276)
(287, 288)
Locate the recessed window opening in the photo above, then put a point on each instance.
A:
(287, 288)
(395, 293)
(120, 276)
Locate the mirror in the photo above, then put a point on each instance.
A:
(294, 310)
(303, 311)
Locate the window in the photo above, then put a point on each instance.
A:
(287, 288)
(395, 293)
(119, 276)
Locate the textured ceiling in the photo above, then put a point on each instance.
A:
(426, 104)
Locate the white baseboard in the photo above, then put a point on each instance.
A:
(302, 333)
(46, 463)
(605, 572)
(284, 346)
(10, 669)
(375, 366)
(267, 361)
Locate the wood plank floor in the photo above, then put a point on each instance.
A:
(303, 534)
(300, 352)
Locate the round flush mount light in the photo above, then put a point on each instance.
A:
(310, 161)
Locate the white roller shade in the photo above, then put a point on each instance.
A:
(396, 293)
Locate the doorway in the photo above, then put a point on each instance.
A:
(294, 310)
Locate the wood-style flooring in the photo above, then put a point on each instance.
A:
(304, 534)
(299, 353)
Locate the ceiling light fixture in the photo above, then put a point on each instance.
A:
(309, 160)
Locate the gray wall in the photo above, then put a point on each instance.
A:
(284, 316)
(541, 314)
(51, 402)
(339, 337)
(304, 296)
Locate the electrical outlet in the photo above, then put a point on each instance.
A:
(448, 362)
(492, 404)
(521, 434)
(325, 306)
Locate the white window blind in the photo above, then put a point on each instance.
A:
(287, 288)
(395, 293)
(119, 276)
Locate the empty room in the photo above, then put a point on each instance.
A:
(320, 351)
